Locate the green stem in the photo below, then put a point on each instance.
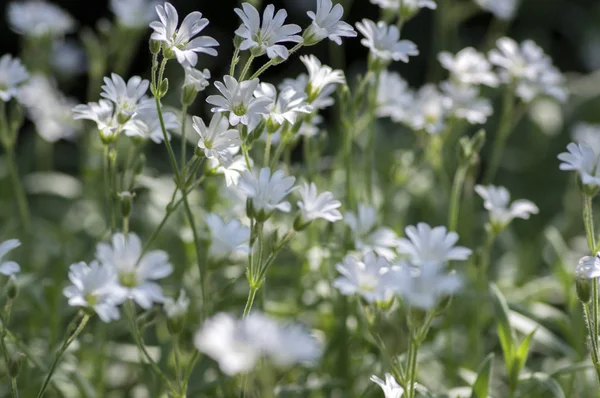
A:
(590, 326)
(20, 195)
(502, 134)
(268, 150)
(250, 300)
(246, 68)
(266, 66)
(372, 106)
(234, 61)
(183, 140)
(178, 369)
(246, 157)
(61, 352)
(13, 386)
(457, 187)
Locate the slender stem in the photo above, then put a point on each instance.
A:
(178, 368)
(266, 66)
(268, 150)
(250, 300)
(246, 68)
(13, 387)
(457, 187)
(234, 61)
(588, 221)
(20, 196)
(61, 352)
(183, 140)
(504, 130)
(166, 139)
(372, 105)
(197, 245)
(590, 326)
(13, 383)
(246, 157)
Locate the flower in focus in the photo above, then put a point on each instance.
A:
(232, 168)
(326, 23)
(390, 387)
(12, 75)
(502, 9)
(226, 238)
(264, 38)
(394, 97)
(93, 286)
(180, 41)
(267, 191)
(314, 205)
(469, 66)
(384, 42)
(39, 18)
(284, 107)
(588, 267)
(582, 159)
(238, 99)
(426, 245)
(136, 278)
(134, 14)
(423, 286)
(366, 277)
(9, 268)
(497, 199)
(217, 139)
(320, 77)
(177, 308)
(464, 102)
(101, 112)
(128, 97)
(367, 237)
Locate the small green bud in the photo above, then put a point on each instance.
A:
(243, 131)
(124, 116)
(237, 41)
(140, 163)
(155, 46)
(12, 288)
(176, 324)
(126, 198)
(163, 88)
(300, 224)
(257, 51)
(583, 286)
(478, 141)
(443, 304)
(415, 317)
(14, 365)
(249, 208)
(188, 95)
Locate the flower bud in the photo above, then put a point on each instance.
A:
(12, 288)
(140, 163)
(249, 208)
(163, 88)
(313, 35)
(188, 95)
(124, 116)
(155, 46)
(176, 324)
(168, 53)
(126, 198)
(583, 287)
(14, 365)
(237, 41)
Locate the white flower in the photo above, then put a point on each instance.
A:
(469, 66)
(226, 238)
(588, 267)
(384, 42)
(232, 168)
(101, 112)
(394, 97)
(180, 40)
(322, 99)
(237, 344)
(67, 58)
(39, 18)
(587, 133)
(426, 244)
(217, 138)
(497, 199)
(93, 286)
(367, 237)
(320, 76)
(264, 38)
(9, 268)
(136, 278)
(267, 190)
(502, 9)
(284, 107)
(12, 74)
(128, 97)
(409, 6)
(238, 99)
(134, 14)
(196, 79)
(427, 111)
(366, 276)
(314, 205)
(529, 68)
(48, 109)
(146, 124)
(326, 24)
(464, 102)
(177, 308)
(582, 159)
(390, 387)
(423, 286)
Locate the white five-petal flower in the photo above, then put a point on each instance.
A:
(394, 97)
(367, 237)
(128, 97)
(283, 107)
(227, 238)
(390, 387)
(12, 75)
(320, 77)
(384, 42)
(267, 190)
(217, 139)
(180, 41)
(314, 205)
(326, 23)
(582, 159)
(588, 267)
(146, 124)
(464, 102)
(469, 66)
(426, 245)
(263, 38)
(497, 201)
(9, 268)
(365, 276)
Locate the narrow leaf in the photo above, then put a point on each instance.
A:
(521, 357)
(482, 383)
(505, 332)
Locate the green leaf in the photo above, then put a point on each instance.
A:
(521, 357)
(505, 332)
(482, 383)
(538, 383)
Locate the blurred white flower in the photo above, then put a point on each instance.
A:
(427, 111)
(320, 77)
(238, 99)
(39, 18)
(301, 84)
(48, 109)
(464, 102)
(587, 133)
(227, 238)
(529, 68)
(12, 75)
(384, 42)
(314, 205)
(497, 200)
(394, 97)
(326, 23)
(582, 159)
(136, 278)
(217, 139)
(232, 168)
(101, 112)
(283, 107)
(134, 14)
(196, 78)
(263, 38)
(9, 268)
(367, 237)
(93, 286)
(180, 41)
(267, 190)
(146, 124)
(237, 344)
(409, 7)
(588, 267)
(423, 286)
(502, 9)
(390, 387)
(366, 277)
(177, 308)
(469, 66)
(68, 58)
(128, 97)
(426, 244)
